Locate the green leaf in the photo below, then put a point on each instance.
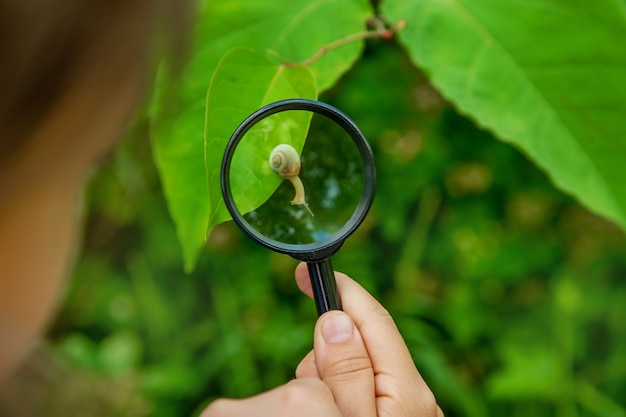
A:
(260, 82)
(179, 160)
(294, 30)
(548, 77)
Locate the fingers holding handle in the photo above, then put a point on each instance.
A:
(399, 389)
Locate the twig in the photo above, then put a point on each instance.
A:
(379, 31)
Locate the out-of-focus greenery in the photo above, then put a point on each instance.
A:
(509, 294)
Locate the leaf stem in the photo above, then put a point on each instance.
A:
(379, 31)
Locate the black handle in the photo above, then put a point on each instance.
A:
(324, 286)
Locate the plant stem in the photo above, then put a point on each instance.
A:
(380, 31)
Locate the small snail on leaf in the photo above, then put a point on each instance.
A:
(285, 161)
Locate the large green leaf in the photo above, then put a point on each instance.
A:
(294, 30)
(259, 82)
(546, 76)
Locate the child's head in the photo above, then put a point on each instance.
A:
(72, 72)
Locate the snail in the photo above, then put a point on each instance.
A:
(285, 161)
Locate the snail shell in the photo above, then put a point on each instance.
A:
(285, 161)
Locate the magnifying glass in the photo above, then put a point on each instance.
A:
(298, 177)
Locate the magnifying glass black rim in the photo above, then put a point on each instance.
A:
(326, 247)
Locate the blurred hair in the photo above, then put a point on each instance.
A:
(45, 44)
(46, 48)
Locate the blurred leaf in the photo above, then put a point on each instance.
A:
(295, 30)
(530, 371)
(259, 82)
(597, 402)
(551, 80)
(80, 350)
(167, 379)
(120, 352)
(438, 374)
(154, 305)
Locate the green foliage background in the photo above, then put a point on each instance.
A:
(508, 291)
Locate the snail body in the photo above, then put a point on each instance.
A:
(285, 161)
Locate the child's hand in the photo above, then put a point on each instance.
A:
(359, 367)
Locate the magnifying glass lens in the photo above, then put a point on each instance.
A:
(297, 177)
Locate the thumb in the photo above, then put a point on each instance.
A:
(344, 364)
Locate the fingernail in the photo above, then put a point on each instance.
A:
(337, 328)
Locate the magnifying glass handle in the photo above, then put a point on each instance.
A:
(324, 286)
